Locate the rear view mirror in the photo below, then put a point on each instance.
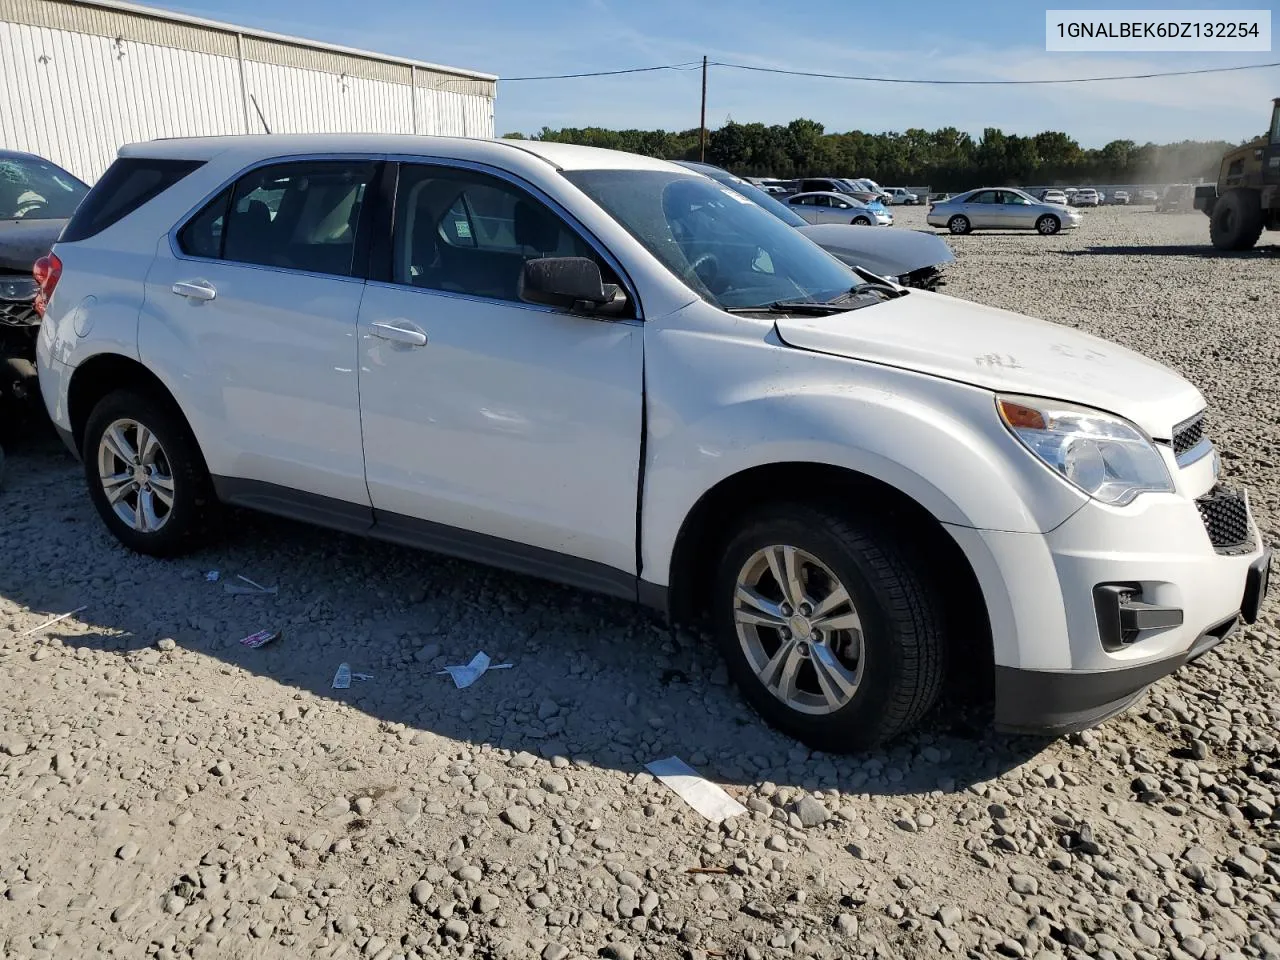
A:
(573, 283)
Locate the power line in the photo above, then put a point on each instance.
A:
(695, 64)
(687, 65)
(1132, 76)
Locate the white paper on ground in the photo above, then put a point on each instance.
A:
(468, 674)
(342, 679)
(703, 795)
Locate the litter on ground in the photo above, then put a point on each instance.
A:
(468, 674)
(699, 793)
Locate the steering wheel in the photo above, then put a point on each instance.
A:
(706, 260)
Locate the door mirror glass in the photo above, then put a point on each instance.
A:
(573, 283)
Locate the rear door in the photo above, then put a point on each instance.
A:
(495, 428)
(250, 318)
(981, 209)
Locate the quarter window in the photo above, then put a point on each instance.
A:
(295, 216)
(466, 232)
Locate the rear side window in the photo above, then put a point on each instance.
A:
(128, 183)
(297, 216)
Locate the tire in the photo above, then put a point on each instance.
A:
(898, 669)
(959, 225)
(861, 222)
(1236, 222)
(174, 468)
(1048, 225)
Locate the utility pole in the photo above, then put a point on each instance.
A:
(702, 136)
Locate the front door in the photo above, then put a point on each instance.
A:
(250, 319)
(493, 427)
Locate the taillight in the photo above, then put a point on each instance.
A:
(47, 271)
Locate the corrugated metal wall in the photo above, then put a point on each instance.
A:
(76, 97)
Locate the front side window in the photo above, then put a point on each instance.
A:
(727, 249)
(34, 189)
(463, 231)
(303, 215)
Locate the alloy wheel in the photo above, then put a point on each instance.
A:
(799, 629)
(136, 475)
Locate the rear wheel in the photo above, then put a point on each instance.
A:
(959, 224)
(1048, 225)
(1236, 222)
(145, 473)
(828, 627)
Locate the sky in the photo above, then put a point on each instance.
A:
(937, 39)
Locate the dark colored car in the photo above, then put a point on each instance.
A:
(37, 198)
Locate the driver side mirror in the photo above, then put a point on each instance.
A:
(572, 283)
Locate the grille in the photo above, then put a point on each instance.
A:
(1225, 513)
(18, 313)
(1187, 434)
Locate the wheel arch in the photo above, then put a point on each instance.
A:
(713, 516)
(100, 375)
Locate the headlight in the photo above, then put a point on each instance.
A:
(1108, 458)
(17, 288)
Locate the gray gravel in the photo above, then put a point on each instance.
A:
(166, 792)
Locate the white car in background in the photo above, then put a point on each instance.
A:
(611, 371)
(1000, 208)
(1120, 197)
(900, 196)
(1086, 197)
(831, 207)
(1053, 196)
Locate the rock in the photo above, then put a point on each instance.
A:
(1024, 884)
(522, 760)
(846, 925)
(520, 818)
(128, 851)
(346, 923)
(316, 840)
(554, 951)
(166, 644)
(555, 784)
(949, 916)
(811, 812)
(174, 904)
(363, 806)
(421, 893)
(221, 769)
(427, 653)
(456, 929)
(486, 903)
(469, 873)
(619, 951)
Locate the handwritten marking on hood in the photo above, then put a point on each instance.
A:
(1005, 361)
(1078, 353)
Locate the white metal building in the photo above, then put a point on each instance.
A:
(79, 78)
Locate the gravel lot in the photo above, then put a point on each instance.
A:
(166, 792)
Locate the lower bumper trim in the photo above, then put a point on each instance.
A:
(1052, 703)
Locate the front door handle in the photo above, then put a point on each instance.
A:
(406, 335)
(195, 289)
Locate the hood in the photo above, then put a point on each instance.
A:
(23, 242)
(1002, 351)
(886, 252)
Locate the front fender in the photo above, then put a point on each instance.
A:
(938, 442)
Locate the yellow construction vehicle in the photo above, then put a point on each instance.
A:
(1246, 198)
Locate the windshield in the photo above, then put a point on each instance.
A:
(34, 189)
(752, 193)
(728, 250)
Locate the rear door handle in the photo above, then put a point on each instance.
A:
(398, 334)
(195, 289)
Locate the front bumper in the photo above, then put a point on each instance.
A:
(1066, 654)
(1057, 702)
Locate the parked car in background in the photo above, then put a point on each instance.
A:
(1120, 197)
(913, 258)
(1148, 196)
(1070, 193)
(833, 185)
(1054, 196)
(831, 207)
(1086, 197)
(1003, 208)
(604, 369)
(36, 198)
(901, 196)
(1177, 198)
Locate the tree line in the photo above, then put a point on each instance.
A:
(945, 159)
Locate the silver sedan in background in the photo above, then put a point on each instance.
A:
(1001, 208)
(827, 207)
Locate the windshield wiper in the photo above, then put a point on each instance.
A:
(813, 307)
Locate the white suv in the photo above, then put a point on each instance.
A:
(617, 373)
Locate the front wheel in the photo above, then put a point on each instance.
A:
(959, 225)
(828, 627)
(861, 222)
(1236, 222)
(145, 473)
(1048, 225)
